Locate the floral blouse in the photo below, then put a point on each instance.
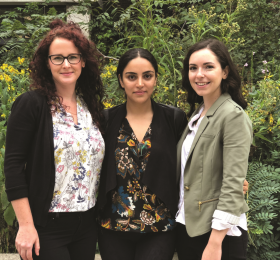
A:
(132, 206)
(78, 151)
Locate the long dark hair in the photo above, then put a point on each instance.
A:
(89, 83)
(231, 85)
(132, 54)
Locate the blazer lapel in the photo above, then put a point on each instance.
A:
(201, 128)
(205, 120)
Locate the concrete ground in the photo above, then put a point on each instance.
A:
(16, 257)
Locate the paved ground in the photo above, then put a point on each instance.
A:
(16, 257)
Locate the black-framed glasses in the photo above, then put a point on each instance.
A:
(59, 59)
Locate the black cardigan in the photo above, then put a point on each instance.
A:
(29, 158)
(160, 173)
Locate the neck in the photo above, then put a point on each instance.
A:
(138, 109)
(68, 94)
(210, 100)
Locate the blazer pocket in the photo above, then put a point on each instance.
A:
(200, 203)
(208, 136)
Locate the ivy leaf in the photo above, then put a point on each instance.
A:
(4, 200)
(9, 215)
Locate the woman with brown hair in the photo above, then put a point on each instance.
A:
(54, 149)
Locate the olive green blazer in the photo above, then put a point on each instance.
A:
(216, 166)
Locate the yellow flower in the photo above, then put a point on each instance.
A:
(7, 78)
(165, 88)
(20, 61)
(4, 66)
(22, 72)
(271, 119)
(3, 115)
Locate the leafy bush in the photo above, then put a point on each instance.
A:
(264, 111)
(264, 208)
(167, 28)
(22, 29)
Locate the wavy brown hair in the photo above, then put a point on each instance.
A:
(89, 84)
(230, 85)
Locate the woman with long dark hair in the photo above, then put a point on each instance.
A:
(54, 148)
(212, 158)
(138, 194)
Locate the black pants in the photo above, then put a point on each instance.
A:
(117, 245)
(191, 248)
(68, 236)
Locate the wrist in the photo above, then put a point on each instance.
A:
(26, 224)
(217, 237)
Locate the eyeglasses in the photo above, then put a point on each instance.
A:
(59, 59)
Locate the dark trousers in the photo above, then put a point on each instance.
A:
(68, 236)
(118, 245)
(191, 248)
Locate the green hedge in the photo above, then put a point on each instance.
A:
(167, 28)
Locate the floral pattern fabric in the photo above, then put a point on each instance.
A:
(132, 206)
(78, 151)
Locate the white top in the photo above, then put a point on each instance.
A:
(221, 220)
(78, 151)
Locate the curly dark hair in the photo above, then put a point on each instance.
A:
(89, 84)
(230, 85)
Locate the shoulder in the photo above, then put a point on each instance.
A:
(233, 113)
(170, 108)
(29, 102)
(111, 112)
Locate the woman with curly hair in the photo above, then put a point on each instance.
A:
(55, 149)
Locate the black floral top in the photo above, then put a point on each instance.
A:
(132, 206)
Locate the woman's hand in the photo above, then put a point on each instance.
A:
(245, 186)
(213, 250)
(27, 236)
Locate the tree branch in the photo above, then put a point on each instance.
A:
(107, 57)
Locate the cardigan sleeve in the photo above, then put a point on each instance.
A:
(237, 139)
(20, 131)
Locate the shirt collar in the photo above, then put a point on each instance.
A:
(194, 118)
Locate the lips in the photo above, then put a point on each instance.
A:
(66, 73)
(139, 92)
(202, 83)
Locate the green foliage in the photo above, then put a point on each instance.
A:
(167, 28)
(264, 111)
(22, 29)
(264, 208)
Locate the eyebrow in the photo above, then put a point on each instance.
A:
(149, 71)
(204, 63)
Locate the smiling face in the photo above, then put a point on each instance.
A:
(138, 80)
(206, 74)
(66, 74)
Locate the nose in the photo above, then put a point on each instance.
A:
(140, 82)
(66, 63)
(200, 73)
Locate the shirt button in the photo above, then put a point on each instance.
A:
(187, 188)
